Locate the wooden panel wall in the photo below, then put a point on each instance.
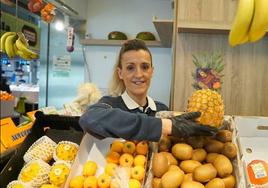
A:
(245, 87)
(206, 11)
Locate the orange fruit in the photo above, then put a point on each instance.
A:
(139, 160)
(117, 146)
(138, 172)
(133, 183)
(129, 147)
(104, 181)
(91, 182)
(126, 160)
(142, 148)
(110, 168)
(90, 168)
(77, 182)
(113, 157)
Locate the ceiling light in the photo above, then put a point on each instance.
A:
(59, 25)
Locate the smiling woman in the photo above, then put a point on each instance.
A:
(129, 112)
(136, 71)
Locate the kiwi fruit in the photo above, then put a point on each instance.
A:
(223, 165)
(174, 167)
(199, 154)
(229, 181)
(171, 159)
(164, 143)
(229, 150)
(196, 141)
(211, 157)
(159, 165)
(215, 183)
(188, 166)
(182, 151)
(213, 146)
(157, 183)
(192, 184)
(204, 173)
(172, 179)
(224, 136)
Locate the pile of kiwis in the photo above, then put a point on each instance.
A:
(195, 162)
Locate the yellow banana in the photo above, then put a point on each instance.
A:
(23, 55)
(23, 39)
(15, 49)
(9, 45)
(3, 39)
(242, 21)
(21, 47)
(259, 24)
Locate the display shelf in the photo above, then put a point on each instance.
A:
(203, 28)
(164, 29)
(104, 42)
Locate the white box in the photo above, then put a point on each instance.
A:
(252, 139)
(96, 150)
(251, 126)
(93, 149)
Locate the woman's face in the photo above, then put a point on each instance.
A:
(136, 72)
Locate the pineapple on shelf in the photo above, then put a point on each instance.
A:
(207, 99)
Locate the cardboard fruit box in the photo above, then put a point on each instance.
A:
(252, 138)
(58, 128)
(236, 162)
(96, 150)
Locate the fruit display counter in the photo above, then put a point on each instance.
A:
(197, 162)
(221, 161)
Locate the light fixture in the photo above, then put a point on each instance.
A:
(59, 25)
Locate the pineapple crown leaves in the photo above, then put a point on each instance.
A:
(208, 73)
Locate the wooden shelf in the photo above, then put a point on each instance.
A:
(103, 42)
(164, 29)
(203, 28)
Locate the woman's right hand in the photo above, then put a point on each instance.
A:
(185, 125)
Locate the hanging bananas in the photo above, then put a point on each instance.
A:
(3, 40)
(242, 21)
(9, 45)
(23, 51)
(15, 44)
(259, 25)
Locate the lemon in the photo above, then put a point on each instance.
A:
(77, 182)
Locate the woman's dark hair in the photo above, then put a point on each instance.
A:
(135, 44)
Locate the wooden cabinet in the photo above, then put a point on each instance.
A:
(203, 25)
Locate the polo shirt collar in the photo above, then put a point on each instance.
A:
(131, 104)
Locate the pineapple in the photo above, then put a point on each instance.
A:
(210, 104)
(207, 82)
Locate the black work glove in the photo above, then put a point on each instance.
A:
(61, 122)
(184, 126)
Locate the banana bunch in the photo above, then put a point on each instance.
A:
(259, 24)
(15, 44)
(250, 23)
